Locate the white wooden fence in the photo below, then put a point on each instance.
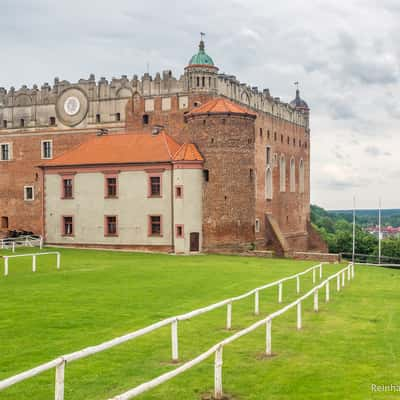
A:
(217, 349)
(60, 362)
(34, 256)
(21, 241)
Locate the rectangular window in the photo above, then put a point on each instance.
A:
(68, 226)
(28, 193)
(111, 186)
(98, 118)
(257, 226)
(268, 155)
(206, 175)
(179, 192)
(155, 228)
(47, 149)
(155, 186)
(179, 231)
(111, 228)
(4, 222)
(5, 152)
(149, 105)
(5, 124)
(165, 103)
(67, 188)
(183, 102)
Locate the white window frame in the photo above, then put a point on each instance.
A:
(10, 153)
(268, 183)
(166, 104)
(292, 177)
(42, 149)
(25, 192)
(257, 226)
(301, 176)
(149, 105)
(282, 173)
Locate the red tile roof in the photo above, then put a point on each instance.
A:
(221, 106)
(127, 148)
(188, 152)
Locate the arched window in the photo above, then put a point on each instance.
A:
(282, 172)
(198, 81)
(301, 176)
(203, 81)
(268, 183)
(292, 175)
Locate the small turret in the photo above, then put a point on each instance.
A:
(298, 103)
(201, 73)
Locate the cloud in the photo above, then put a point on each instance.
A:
(345, 55)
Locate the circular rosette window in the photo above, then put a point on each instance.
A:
(72, 106)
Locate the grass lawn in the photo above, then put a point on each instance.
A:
(353, 342)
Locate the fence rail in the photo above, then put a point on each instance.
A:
(21, 241)
(218, 348)
(372, 259)
(33, 255)
(60, 362)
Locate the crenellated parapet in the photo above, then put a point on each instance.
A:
(231, 87)
(93, 103)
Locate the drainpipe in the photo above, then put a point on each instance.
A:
(172, 209)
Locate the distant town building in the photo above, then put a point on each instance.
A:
(386, 231)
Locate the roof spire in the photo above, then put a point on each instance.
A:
(298, 102)
(201, 45)
(297, 89)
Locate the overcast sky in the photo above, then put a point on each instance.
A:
(344, 53)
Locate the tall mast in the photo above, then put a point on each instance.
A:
(354, 230)
(380, 232)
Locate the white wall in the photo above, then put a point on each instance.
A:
(188, 210)
(88, 207)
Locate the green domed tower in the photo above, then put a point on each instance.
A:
(201, 73)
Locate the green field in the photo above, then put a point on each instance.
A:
(352, 343)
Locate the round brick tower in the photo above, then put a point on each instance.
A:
(224, 132)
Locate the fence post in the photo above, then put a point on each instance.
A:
(218, 374)
(59, 389)
(299, 315)
(229, 316)
(352, 270)
(41, 243)
(327, 292)
(320, 271)
(256, 303)
(33, 263)
(268, 338)
(313, 275)
(316, 300)
(348, 272)
(343, 278)
(13, 247)
(58, 260)
(280, 290)
(5, 265)
(174, 339)
(338, 283)
(298, 284)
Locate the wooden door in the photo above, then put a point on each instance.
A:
(194, 241)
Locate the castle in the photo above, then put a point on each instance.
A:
(203, 162)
